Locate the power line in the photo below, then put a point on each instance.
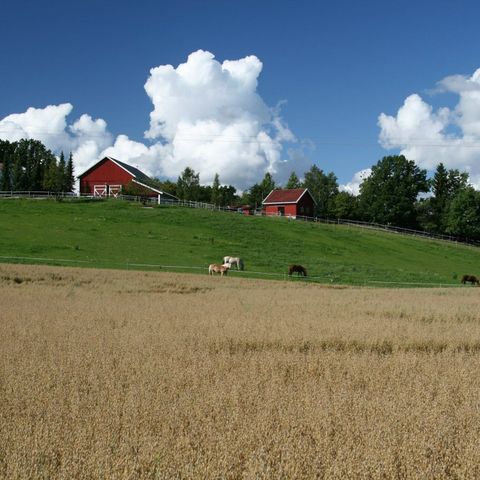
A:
(253, 139)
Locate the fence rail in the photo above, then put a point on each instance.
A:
(126, 265)
(150, 201)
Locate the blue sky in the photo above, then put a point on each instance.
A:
(333, 67)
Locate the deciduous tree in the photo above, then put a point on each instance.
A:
(389, 194)
(323, 187)
(463, 216)
(188, 185)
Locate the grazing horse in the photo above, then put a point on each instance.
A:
(299, 269)
(234, 261)
(221, 269)
(470, 279)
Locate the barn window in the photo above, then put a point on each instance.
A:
(301, 209)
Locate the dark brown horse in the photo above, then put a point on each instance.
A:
(470, 279)
(299, 269)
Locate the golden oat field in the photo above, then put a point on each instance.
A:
(125, 375)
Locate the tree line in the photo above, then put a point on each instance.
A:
(397, 193)
(27, 165)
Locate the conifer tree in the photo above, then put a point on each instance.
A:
(61, 174)
(70, 177)
(293, 181)
(215, 197)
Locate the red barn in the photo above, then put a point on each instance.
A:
(290, 202)
(108, 177)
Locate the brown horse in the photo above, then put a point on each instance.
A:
(299, 269)
(221, 269)
(470, 279)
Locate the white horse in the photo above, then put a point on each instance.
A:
(221, 269)
(234, 261)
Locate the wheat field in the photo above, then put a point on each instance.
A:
(125, 375)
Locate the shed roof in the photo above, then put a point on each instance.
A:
(280, 196)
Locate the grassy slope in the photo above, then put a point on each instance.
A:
(110, 234)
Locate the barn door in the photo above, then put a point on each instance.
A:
(99, 190)
(114, 190)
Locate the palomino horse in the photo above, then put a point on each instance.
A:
(234, 261)
(299, 269)
(221, 269)
(470, 279)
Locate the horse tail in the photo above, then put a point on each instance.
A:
(240, 264)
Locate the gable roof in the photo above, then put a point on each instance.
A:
(291, 195)
(139, 177)
(135, 172)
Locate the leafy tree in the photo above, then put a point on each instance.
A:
(188, 185)
(26, 164)
(228, 195)
(389, 194)
(293, 181)
(19, 181)
(258, 192)
(215, 197)
(345, 205)
(463, 216)
(50, 179)
(6, 179)
(323, 188)
(254, 196)
(167, 186)
(445, 185)
(205, 193)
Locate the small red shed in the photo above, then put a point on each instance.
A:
(108, 177)
(246, 209)
(293, 202)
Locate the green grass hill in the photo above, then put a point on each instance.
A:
(117, 234)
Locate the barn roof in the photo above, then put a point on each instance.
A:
(139, 175)
(280, 196)
(135, 172)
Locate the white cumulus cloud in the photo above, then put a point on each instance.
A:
(448, 135)
(214, 121)
(353, 186)
(206, 115)
(85, 138)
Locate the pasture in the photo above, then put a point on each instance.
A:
(120, 374)
(120, 235)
